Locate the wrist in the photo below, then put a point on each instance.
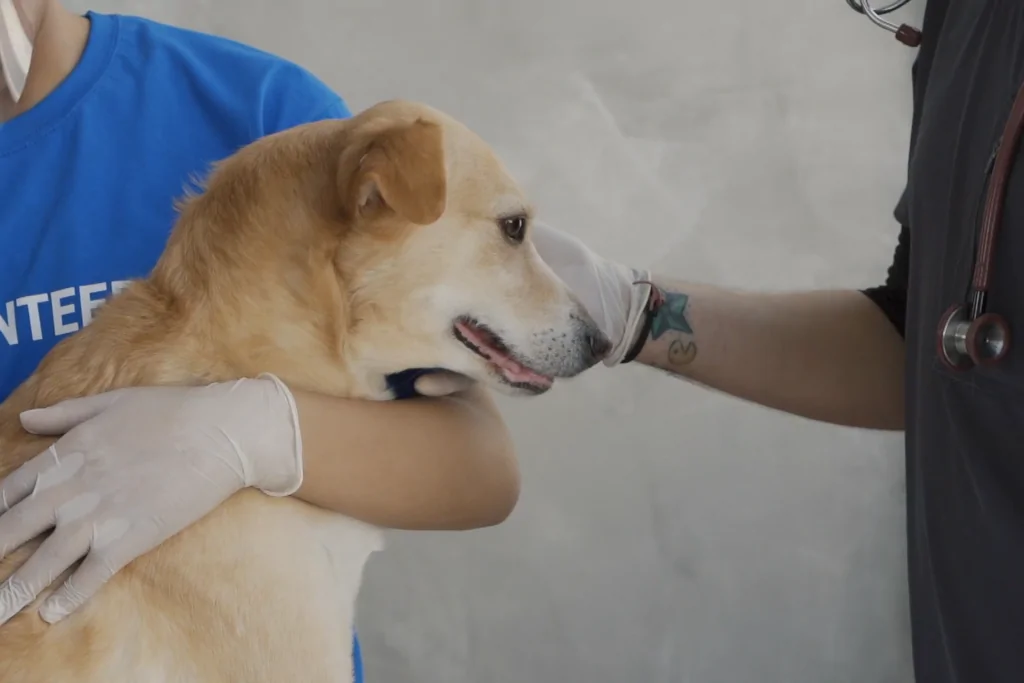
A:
(276, 461)
(637, 318)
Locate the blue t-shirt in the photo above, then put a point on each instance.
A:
(88, 177)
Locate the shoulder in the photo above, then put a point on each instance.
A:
(232, 79)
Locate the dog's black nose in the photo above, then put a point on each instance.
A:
(599, 344)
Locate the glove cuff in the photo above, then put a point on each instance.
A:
(638, 319)
(293, 478)
(654, 301)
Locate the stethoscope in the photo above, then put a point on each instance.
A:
(968, 335)
(908, 35)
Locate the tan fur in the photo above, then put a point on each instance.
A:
(330, 255)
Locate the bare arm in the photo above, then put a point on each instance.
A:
(424, 463)
(826, 355)
(833, 356)
(177, 452)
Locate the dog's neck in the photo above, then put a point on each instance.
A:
(258, 279)
(253, 317)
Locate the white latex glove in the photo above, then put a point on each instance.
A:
(135, 467)
(606, 289)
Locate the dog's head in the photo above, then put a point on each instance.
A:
(392, 240)
(439, 262)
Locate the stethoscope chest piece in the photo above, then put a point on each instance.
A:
(964, 342)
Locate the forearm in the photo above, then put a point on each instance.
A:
(424, 463)
(826, 355)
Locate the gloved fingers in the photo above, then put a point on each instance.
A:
(57, 553)
(442, 383)
(80, 586)
(19, 484)
(25, 521)
(62, 417)
(114, 545)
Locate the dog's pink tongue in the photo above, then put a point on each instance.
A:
(512, 370)
(517, 374)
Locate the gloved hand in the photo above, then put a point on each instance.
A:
(135, 467)
(606, 289)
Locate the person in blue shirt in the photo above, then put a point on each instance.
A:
(117, 116)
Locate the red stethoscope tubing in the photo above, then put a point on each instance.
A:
(968, 335)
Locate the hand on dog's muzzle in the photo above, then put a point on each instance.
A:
(427, 382)
(606, 289)
(442, 383)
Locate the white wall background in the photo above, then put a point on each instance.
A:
(665, 534)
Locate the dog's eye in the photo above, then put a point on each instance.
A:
(514, 228)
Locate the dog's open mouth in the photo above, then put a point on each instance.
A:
(488, 345)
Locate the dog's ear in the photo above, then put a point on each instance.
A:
(398, 170)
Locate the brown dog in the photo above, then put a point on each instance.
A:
(331, 255)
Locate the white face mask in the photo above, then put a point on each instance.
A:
(15, 49)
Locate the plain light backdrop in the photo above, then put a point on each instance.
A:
(665, 534)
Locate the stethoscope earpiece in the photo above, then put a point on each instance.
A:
(906, 34)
